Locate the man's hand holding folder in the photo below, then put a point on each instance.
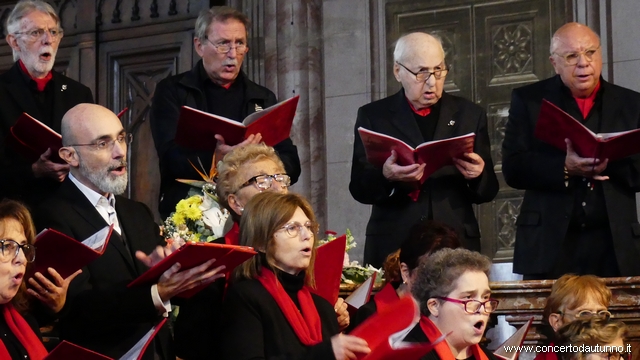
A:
(190, 268)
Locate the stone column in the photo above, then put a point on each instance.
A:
(290, 54)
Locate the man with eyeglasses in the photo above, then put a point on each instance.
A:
(579, 213)
(421, 111)
(102, 313)
(34, 33)
(216, 85)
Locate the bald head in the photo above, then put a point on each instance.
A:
(572, 31)
(576, 56)
(81, 119)
(417, 44)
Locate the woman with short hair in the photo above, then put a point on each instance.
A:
(452, 287)
(596, 338)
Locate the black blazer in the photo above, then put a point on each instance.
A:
(538, 168)
(451, 195)
(188, 89)
(16, 179)
(102, 313)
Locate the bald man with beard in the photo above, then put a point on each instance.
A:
(101, 312)
(579, 214)
(421, 111)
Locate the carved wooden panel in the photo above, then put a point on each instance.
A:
(131, 72)
(493, 47)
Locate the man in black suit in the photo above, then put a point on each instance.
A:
(101, 312)
(34, 33)
(578, 214)
(421, 112)
(215, 85)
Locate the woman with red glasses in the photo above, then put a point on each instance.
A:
(452, 287)
(269, 311)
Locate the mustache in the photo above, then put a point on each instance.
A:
(121, 163)
(230, 62)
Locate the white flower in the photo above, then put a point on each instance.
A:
(214, 217)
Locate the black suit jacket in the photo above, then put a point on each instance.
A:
(16, 179)
(538, 168)
(102, 313)
(452, 196)
(187, 89)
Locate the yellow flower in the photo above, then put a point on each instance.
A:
(178, 218)
(188, 209)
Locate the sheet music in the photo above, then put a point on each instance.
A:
(135, 352)
(97, 240)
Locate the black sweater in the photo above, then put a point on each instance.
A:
(254, 327)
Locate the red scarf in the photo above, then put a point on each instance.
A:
(587, 103)
(232, 237)
(41, 83)
(22, 331)
(442, 349)
(421, 112)
(385, 297)
(307, 324)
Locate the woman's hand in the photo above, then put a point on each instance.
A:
(345, 347)
(342, 313)
(52, 294)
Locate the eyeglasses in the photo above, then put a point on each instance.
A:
(9, 250)
(587, 314)
(473, 306)
(101, 145)
(293, 228)
(423, 76)
(263, 182)
(223, 48)
(573, 58)
(37, 34)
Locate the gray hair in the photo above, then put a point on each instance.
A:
(403, 45)
(220, 14)
(437, 273)
(24, 8)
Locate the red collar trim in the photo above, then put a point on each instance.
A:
(305, 322)
(442, 349)
(233, 236)
(586, 104)
(421, 112)
(40, 83)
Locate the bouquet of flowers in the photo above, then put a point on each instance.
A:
(352, 271)
(200, 217)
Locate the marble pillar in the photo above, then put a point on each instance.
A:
(287, 35)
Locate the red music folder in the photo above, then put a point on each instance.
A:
(196, 129)
(554, 125)
(327, 269)
(360, 295)
(193, 254)
(435, 154)
(66, 254)
(66, 350)
(515, 340)
(31, 138)
(385, 331)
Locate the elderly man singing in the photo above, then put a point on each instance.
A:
(421, 111)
